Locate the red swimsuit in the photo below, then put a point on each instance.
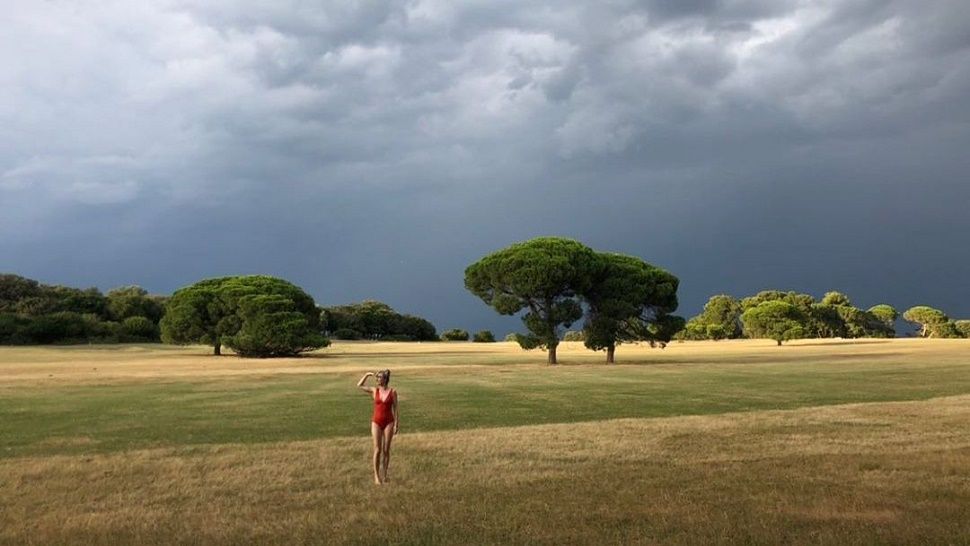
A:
(382, 408)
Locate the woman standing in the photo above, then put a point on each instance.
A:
(384, 423)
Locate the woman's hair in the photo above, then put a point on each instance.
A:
(386, 374)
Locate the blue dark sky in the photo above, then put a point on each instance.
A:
(375, 149)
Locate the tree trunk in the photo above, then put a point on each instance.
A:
(217, 349)
(610, 351)
(779, 342)
(552, 355)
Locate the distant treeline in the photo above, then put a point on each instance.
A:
(33, 313)
(782, 316)
(375, 321)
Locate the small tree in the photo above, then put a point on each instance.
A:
(484, 336)
(774, 319)
(927, 319)
(963, 327)
(693, 330)
(945, 330)
(140, 329)
(543, 276)
(887, 314)
(455, 334)
(720, 319)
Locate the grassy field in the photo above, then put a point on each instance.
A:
(730, 442)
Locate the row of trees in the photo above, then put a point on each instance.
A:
(558, 281)
(555, 281)
(35, 313)
(783, 316)
(457, 334)
(377, 321)
(254, 315)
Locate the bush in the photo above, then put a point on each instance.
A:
(139, 329)
(963, 327)
(945, 330)
(573, 335)
(455, 334)
(528, 341)
(13, 329)
(61, 327)
(484, 336)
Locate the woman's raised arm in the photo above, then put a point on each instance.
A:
(360, 384)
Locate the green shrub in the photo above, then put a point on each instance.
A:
(484, 336)
(139, 329)
(455, 334)
(963, 327)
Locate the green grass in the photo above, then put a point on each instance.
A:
(131, 415)
(162, 445)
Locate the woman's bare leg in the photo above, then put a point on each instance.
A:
(386, 451)
(378, 435)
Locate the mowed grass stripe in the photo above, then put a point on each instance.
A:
(847, 474)
(60, 418)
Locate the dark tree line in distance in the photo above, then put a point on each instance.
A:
(32, 313)
(374, 320)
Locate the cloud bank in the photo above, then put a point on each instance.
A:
(374, 149)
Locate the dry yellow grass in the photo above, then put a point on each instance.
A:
(98, 364)
(851, 474)
(884, 472)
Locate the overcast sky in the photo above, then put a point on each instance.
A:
(375, 149)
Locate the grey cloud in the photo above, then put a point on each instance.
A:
(373, 149)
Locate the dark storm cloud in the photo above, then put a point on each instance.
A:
(374, 149)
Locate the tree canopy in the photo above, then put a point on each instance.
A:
(720, 319)
(930, 321)
(628, 300)
(774, 319)
(543, 276)
(36, 313)
(255, 315)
